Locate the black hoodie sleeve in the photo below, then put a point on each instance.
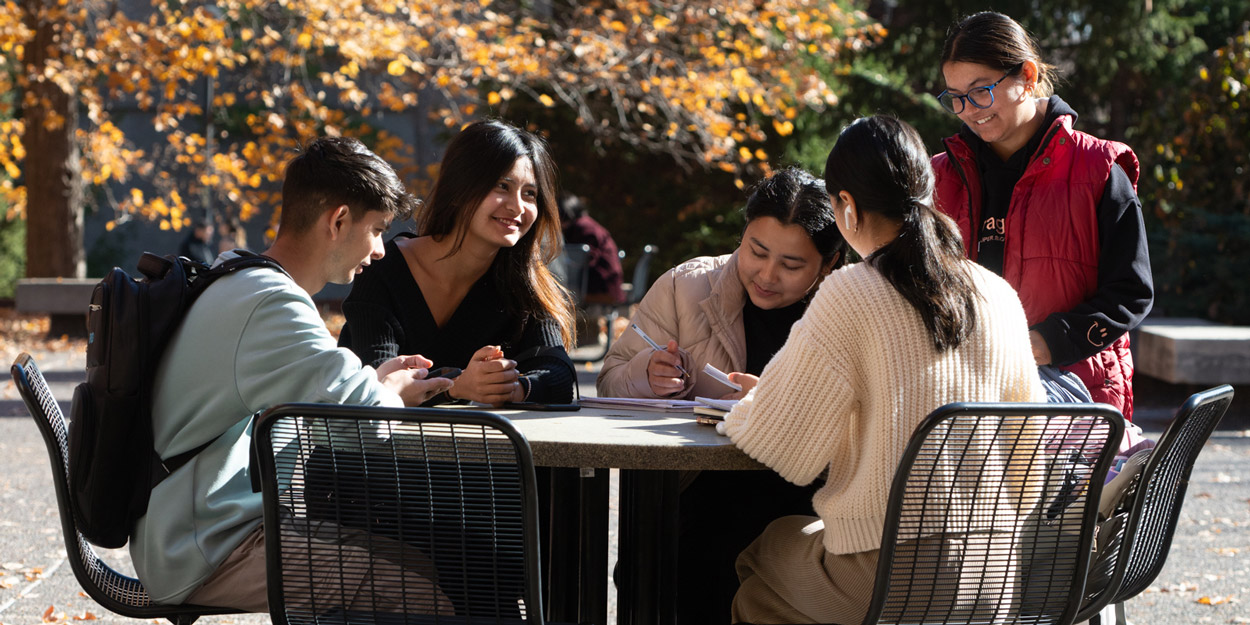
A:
(1125, 287)
(544, 363)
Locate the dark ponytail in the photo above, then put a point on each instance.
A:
(882, 163)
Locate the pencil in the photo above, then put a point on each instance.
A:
(654, 345)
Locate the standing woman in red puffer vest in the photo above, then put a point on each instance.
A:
(1052, 210)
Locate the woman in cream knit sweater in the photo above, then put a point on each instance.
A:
(882, 344)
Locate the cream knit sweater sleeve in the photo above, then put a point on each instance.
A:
(791, 421)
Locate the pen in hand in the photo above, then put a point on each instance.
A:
(654, 345)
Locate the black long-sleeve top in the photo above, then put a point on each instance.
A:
(387, 315)
(1125, 290)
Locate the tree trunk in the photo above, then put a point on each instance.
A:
(1122, 111)
(54, 187)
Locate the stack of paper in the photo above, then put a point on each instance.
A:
(632, 403)
(715, 408)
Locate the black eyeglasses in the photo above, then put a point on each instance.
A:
(980, 97)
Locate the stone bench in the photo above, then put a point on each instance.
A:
(1193, 351)
(64, 300)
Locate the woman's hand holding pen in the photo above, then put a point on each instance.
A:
(489, 378)
(664, 371)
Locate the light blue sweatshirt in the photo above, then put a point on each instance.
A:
(253, 340)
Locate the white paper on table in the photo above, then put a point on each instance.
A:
(719, 404)
(721, 376)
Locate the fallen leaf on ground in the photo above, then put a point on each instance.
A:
(49, 617)
(1216, 601)
(1174, 588)
(85, 616)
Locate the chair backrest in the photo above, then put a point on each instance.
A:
(115, 591)
(642, 273)
(572, 269)
(1154, 504)
(991, 514)
(447, 494)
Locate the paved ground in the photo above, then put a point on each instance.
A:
(1206, 580)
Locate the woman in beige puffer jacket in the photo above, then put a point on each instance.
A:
(733, 312)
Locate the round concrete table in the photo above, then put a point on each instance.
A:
(626, 439)
(650, 448)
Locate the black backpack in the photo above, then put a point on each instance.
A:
(112, 464)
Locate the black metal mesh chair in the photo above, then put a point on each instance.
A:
(424, 515)
(1152, 507)
(641, 278)
(573, 269)
(115, 591)
(991, 514)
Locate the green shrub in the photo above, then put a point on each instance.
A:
(12, 255)
(1195, 193)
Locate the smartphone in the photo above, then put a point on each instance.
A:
(443, 372)
(540, 407)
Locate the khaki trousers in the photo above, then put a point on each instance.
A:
(349, 569)
(789, 577)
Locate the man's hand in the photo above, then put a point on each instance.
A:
(405, 375)
(400, 363)
(489, 378)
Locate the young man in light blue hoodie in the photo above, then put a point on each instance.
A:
(253, 340)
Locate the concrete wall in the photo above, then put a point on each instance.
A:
(1193, 351)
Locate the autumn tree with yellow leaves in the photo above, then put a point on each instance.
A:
(700, 82)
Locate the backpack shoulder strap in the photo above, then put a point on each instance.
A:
(245, 260)
(162, 469)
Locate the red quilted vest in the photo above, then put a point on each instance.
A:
(1051, 250)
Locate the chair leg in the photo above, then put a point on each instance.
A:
(1120, 617)
(1107, 616)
